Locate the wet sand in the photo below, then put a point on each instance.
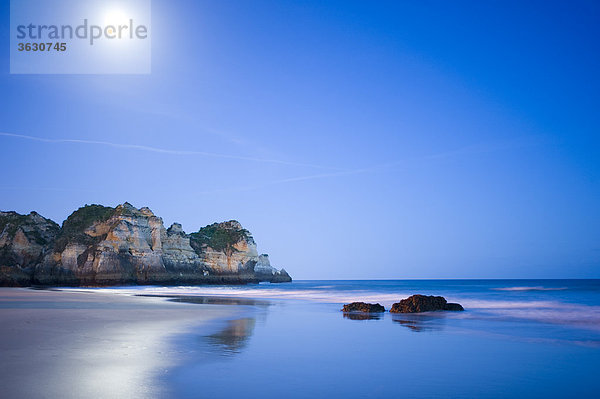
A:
(65, 344)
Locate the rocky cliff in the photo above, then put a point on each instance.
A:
(100, 245)
(24, 242)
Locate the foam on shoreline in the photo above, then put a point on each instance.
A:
(544, 311)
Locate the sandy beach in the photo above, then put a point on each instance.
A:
(69, 344)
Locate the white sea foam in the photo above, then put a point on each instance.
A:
(537, 288)
(553, 312)
(314, 295)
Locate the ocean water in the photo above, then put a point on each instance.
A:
(516, 339)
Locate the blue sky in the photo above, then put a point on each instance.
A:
(354, 139)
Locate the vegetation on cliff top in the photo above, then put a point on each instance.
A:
(219, 236)
(10, 222)
(73, 228)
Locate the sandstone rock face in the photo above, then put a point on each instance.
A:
(422, 303)
(265, 271)
(363, 307)
(100, 245)
(24, 241)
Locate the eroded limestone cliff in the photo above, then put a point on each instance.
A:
(24, 242)
(100, 245)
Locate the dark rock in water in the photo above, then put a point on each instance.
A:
(419, 303)
(454, 307)
(423, 303)
(363, 307)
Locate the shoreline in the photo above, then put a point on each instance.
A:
(72, 344)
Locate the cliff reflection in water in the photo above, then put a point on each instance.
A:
(235, 335)
(233, 338)
(215, 300)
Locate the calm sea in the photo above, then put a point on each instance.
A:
(516, 339)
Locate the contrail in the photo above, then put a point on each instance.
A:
(467, 150)
(303, 178)
(166, 151)
(337, 172)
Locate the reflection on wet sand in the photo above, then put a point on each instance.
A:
(421, 322)
(211, 300)
(233, 338)
(362, 316)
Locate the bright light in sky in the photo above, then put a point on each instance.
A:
(120, 23)
(116, 17)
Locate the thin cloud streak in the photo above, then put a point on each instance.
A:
(467, 150)
(166, 151)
